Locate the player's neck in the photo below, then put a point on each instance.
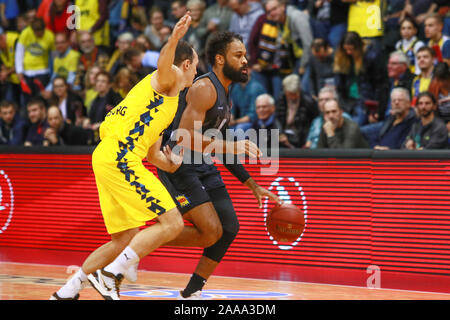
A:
(222, 78)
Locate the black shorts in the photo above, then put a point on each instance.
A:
(190, 184)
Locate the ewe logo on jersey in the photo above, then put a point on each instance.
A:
(290, 191)
(6, 201)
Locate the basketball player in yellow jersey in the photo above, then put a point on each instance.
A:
(129, 194)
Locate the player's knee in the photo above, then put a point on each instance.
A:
(212, 236)
(174, 226)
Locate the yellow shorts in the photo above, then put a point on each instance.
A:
(129, 193)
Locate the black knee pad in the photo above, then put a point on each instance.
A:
(230, 224)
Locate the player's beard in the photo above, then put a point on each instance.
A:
(233, 74)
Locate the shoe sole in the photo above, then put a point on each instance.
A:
(97, 286)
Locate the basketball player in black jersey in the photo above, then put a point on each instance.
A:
(198, 189)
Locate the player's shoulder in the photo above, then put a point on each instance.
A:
(203, 92)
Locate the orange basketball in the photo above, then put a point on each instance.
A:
(285, 222)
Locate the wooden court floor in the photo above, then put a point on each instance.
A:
(37, 282)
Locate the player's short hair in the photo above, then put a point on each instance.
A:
(218, 44)
(184, 51)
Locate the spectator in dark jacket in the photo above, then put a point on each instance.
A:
(70, 103)
(295, 112)
(397, 126)
(360, 75)
(37, 115)
(61, 132)
(12, 125)
(430, 132)
(266, 120)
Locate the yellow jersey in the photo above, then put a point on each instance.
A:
(89, 14)
(365, 18)
(37, 50)
(139, 120)
(62, 66)
(7, 56)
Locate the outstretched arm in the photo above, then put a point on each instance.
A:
(166, 75)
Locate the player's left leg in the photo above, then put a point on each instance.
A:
(213, 255)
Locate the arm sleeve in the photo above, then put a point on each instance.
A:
(238, 170)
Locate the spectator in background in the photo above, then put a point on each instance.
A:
(266, 119)
(178, 9)
(61, 132)
(65, 63)
(320, 66)
(9, 12)
(90, 55)
(410, 44)
(215, 18)
(364, 17)
(397, 126)
(106, 99)
(433, 31)
(94, 20)
(138, 22)
(245, 14)
(56, 16)
(141, 63)
(196, 8)
(123, 43)
(243, 98)
(9, 81)
(89, 93)
(360, 76)
(37, 116)
(430, 132)
(425, 60)
(440, 89)
(338, 21)
(295, 112)
(156, 23)
(33, 51)
(12, 126)
(325, 94)
(71, 105)
(337, 131)
(124, 81)
(419, 9)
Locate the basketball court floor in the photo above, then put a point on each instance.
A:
(19, 281)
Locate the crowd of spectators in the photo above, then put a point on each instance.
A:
(326, 73)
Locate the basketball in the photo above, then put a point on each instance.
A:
(285, 222)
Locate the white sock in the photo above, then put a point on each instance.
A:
(125, 260)
(74, 285)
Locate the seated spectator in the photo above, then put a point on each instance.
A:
(141, 63)
(295, 112)
(56, 15)
(90, 55)
(137, 22)
(90, 93)
(430, 132)
(320, 66)
(433, 31)
(124, 81)
(410, 44)
(61, 132)
(71, 104)
(12, 126)
(37, 116)
(106, 99)
(215, 18)
(9, 13)
(245, 14)
(425, 59)
(267, 120)
(156, 23)
(325, 94)
(360, 76)
(396, 127)
(196, 8)
(65, 63)
(337, 131)
(94, 20)
(243, 98)
(123, 43)
(440, 88)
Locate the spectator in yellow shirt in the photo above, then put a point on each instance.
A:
(33, 53)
